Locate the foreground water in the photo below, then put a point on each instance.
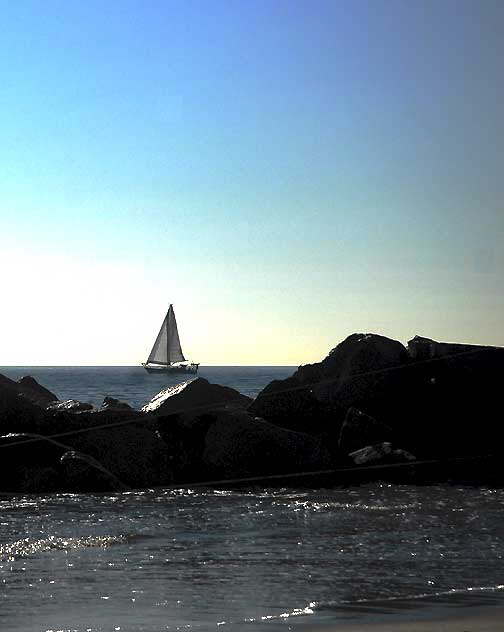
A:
(259, 560)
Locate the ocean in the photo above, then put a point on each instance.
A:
(133, 385)
(255, 559)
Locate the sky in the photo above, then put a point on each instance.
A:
(285, 173)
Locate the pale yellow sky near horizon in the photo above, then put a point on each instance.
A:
(63, 311)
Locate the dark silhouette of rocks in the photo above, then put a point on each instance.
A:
(115, 447)
(445, 404)
(82, 473)
(28, 465)
(110, 403)
(132, 453)
(230, 443)
(380, 453)
(34, 392)
(15, 409)
(359, 430)
(237, 445)
(361, 414)
(315, 399)
(421, 348)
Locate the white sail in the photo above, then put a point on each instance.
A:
(167, 349)
(174, 349)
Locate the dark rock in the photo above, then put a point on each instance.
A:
(184, 435)
(421, 348)
(237, 445)
(361, 430)
(70, 406)
(372, 454)
(110, 403)
(34, 392)
(381, 453)
(119, 441)
(452, 401)
(230, 443)
(446, 405)
(311, 400)
(29, 463)
(289, 404)
(359, 353)
(128, 449)
(102, 459)
(194, 394)
(16, 411)
(82, 473)
(402, 456)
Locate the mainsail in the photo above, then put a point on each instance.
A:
(167, 349)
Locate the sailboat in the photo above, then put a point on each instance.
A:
(166, 354)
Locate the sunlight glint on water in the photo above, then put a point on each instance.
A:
(148, 561)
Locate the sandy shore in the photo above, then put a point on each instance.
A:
(489, 619)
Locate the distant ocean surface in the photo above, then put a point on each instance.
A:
(256, 559)
(132, 384)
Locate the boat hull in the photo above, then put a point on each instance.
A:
(184, 368)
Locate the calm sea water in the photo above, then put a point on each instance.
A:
(258, 559)
(135, 386)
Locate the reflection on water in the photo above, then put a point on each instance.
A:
(169, 559)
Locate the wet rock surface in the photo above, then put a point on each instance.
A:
(194, 394)
(70, 406)
(380, 453)
(110, 403)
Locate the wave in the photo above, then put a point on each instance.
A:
(321, 605)
(311, 505)
(311, 609)
(316, 606)
(11, 551)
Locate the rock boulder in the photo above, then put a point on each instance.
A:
(381, 453)
(195, 394)
(70, 406)
(110, 403)
(35, 392)
(315, 399)
(359, 430)
(238, 445)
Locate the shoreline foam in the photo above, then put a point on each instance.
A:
(463, 619)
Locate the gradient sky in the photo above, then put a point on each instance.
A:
(284, 173)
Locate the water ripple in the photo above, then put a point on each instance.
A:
(12, 551)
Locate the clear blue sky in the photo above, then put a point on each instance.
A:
(286, 173)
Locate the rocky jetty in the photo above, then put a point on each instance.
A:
(436, 405)
(372, 409)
